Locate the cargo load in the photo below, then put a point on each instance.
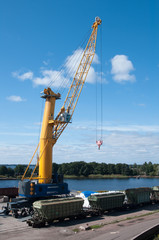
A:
(106, 201)
(56, 209)
(137, 196)
(155, 194)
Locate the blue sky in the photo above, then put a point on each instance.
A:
(37, 37)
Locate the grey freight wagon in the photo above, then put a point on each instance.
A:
(136, 196)
(55, 209)
(106, 201)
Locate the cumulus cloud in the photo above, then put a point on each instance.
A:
(107, 127)
(117, 148)
(16, 153)
(121, 68)
(121, 143)
(24, 76)
(55, 78)
(73, 61)
(14, 98)
(62, 78)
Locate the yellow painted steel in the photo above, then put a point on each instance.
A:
(23, 177)
(52, 128)
(46, 140)
(78, 80)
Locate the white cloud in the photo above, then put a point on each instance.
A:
(24, 76)
(55, 78)
(121, 143)
(121, 68)
(62, 78)
(141, 104)
(22, 134)
(119, 128)
(46, 63)
(117, 148)
(17, 153)
(73, 61)
(96, 59)
(14, 98)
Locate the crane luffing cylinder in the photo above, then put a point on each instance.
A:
(52, 129)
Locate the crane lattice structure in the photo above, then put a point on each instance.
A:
(52, 127)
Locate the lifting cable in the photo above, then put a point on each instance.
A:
(99, 141)
(101, 87)
(66, 72)
(70, 72)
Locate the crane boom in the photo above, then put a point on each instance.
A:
(52, 127)
(78, 80)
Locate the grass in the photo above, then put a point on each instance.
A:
(76, 230)
(156, 237)
(96, 176)
(97, 226)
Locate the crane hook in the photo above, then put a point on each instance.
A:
(99, 143)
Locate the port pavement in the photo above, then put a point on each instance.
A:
(121, 225)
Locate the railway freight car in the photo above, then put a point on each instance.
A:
(56, 209)
(155, 194)
(137, 196)
(106, 201)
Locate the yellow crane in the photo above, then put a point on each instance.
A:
(52, 127)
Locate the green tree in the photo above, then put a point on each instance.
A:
(55, 168)
(19, 170)
(84, 170)
(3, 170)
(94, 168)
(111, 168)
(10, 172)
(118, 168)
(149, 169)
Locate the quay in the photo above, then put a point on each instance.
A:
(121, 225)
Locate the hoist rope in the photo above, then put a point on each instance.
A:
(66, 72)
(96, 110)
(70, 72)
(100, 128)
(101, 84)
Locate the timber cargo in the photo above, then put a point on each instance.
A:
(106, 201)
(136, 196)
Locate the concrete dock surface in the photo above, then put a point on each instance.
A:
(122, 225)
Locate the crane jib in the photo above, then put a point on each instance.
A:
(52, 127)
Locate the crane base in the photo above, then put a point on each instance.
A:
(30, 189)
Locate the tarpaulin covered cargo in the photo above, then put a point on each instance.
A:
(53, 209)
(106, 201)
(138, 195)
(85, 196)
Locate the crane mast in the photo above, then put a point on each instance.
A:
(52, 127)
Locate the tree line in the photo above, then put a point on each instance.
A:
(82, 168)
